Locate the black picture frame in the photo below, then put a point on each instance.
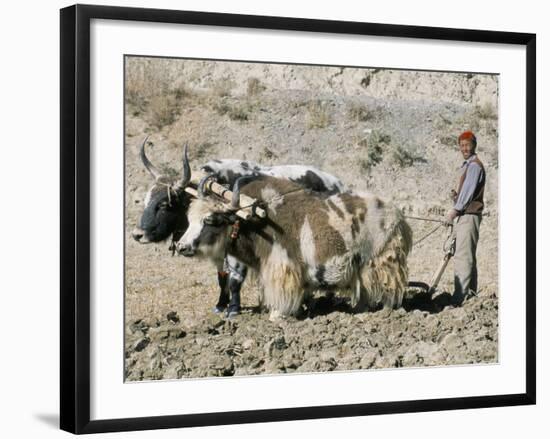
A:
(75, 217)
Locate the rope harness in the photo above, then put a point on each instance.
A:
(168, 191)
(236, 225)
(427, 235)
(419, 218)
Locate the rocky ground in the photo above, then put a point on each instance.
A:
(390, 132)
(331, 338)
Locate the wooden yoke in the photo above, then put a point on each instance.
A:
(216, 188)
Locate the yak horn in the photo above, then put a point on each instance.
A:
(236, 197)
(148, 165)
(202, 183)
(186, 170)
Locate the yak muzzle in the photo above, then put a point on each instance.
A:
(185, 250)
(137, 234)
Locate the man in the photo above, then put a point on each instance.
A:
(466, 215)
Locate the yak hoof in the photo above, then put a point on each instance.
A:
(231, 314)
(233, 310)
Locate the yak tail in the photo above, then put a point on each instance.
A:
(385, 277)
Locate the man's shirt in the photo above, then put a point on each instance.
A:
(474, 176)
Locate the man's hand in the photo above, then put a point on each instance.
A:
(453, 195)
(451, 215)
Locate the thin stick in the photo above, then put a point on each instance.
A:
(424, 219)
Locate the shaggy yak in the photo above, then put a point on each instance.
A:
(352, 242)
(165, 210)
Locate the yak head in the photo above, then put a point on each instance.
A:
(212, 224)
(165, 205)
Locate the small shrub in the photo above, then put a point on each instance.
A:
(375, 145)
(268, 154)
(481, 116)
(181, 92)
(485, 111)
(375, 154)
(377, 137)
(238, 113)
(307, 149)
(318, 115)
(365, 165)
(365, 82)
(163, 110)
(296, 105)
(234, 112)
(222, 87)
(146, 78)
(202, 149)
(360, 113)
(404, 157)
(448, 140)
(254, 87)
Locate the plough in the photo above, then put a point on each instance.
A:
(449, 248)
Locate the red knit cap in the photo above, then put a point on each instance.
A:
(468, 135)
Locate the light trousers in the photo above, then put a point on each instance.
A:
(467, 236)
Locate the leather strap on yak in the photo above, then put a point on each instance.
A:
(235, 230)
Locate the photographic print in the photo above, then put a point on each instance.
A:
(284, 218)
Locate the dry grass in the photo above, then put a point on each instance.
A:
(155, 90)
(360, 113)
(481, 119)
(318, 115)
(486, 111)
(448, 139)
(162, 110)
(234, 111)
(254, 87)
(146, 78)
(404, 157)
(268, 154)
(202, 150)
(222, 88)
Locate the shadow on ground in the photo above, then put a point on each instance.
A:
(422, 301)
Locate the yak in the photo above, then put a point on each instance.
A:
(355, 243)
(166, 203)
(227, 171)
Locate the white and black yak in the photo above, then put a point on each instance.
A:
(351, 242)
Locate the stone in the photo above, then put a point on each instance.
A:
(141, 344)
(173, 317)
(451, 342)
(367, 361)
